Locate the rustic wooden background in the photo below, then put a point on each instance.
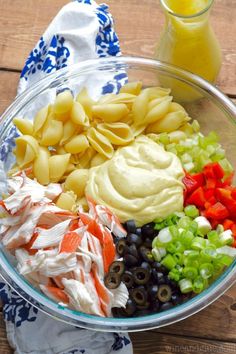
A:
(138, 25)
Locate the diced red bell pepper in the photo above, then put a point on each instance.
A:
(229, 180)
(218, 170)
(197, 198)
(211, 183)
(208, 171)
(228, 224)
(189, 183)
(223, 195)
(233, 193)
(217, 211)
(199, 178)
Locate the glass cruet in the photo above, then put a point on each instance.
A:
(188, 40)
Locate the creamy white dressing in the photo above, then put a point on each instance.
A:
(142, 181)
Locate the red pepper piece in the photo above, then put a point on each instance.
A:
(233, 193)
(211, 183)
(208, 171)
(199, 178)
(228, 224)
(218, 170)
(229, 180)
(223, 195)
(217, 211)
(189, 183)
(197, 198)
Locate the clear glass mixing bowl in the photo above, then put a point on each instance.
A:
(206, 103)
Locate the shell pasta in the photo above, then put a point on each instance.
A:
(71, 135)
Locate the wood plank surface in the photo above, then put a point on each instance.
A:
(138, 24)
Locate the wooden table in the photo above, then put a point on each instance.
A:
(138, 24)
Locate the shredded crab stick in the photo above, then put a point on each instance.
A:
(64, 254)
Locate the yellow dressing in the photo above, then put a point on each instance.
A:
(189, 42)
(142, 181)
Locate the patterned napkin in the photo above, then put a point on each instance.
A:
(81, 30)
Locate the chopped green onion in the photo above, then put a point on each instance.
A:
(198, 243)
(184, 222)
(185, 285)
(169, 262)
(226, 237)
(206, 270)
(190, 272)
(191, 211)
(198, 285)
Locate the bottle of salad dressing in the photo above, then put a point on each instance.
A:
(188, 40)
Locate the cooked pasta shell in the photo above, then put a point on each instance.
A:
(119, 98)
(77, 144)
(66, 200)
(25, 126)
(63, 117)
(155, 92)
(60, 150)
(100, 143)
(71, 167)
(70, 129)
(41, 166)
(40, 119)
(78, 115)
(110, 112)
(85, 157)
(158, 111)
(137, 130)
(117, 133)
(140, 107)
(76, 182)
(132, 87)
(83, 202)
(97, 160)
(57, 166)
(174, 106)
(86, 101)
(26, 150)
(63, 102)
(172, 121)
(52, 133)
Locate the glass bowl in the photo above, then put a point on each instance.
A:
(206, 103)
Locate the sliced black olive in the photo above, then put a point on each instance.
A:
(130, 260)
(172, 284)
(152, 291)
(166, 306)
(147, 242)
(164, 293)
(134, 239)
(141, 275)
(158, 277)
(139, 295)
(130, 226)
(146, 254)
(132, 249)
(144, 307)
(128, 279)
(155, 305)
(130, 307)
(139, 231)
(176, 299)
(120, 246)
(112, 280)
(148, 230)
(160, 268)
(118, 312)
(117, 267)
(146, 265)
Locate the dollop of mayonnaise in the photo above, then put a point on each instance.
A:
(142, 182)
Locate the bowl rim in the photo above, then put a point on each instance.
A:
(51, 308)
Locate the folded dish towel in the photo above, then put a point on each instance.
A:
(81, 30)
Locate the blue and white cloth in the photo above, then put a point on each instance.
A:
(81, 30)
